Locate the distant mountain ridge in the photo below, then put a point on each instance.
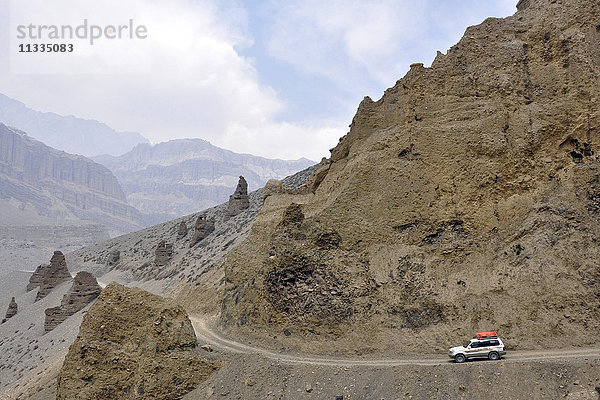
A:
(68, 133)
(189, 175)
(37, 180)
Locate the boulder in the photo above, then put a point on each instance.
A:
(131, 345)
(55, 274)
(113, 257)
(84, 290)
(238, 201)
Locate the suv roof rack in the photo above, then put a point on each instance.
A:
(486, 335)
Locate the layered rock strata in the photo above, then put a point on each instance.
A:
(84, 290)
(58, 185)
(53, 275)
(238, 201)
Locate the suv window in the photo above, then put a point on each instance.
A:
(474, 345)
(494, 343)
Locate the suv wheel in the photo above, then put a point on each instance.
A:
(460, 358)
(494, 356)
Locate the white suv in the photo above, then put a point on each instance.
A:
(484, 346)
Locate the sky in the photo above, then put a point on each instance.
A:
(279, 79)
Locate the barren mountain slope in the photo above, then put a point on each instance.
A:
(192, 271)
(193, 275)
(466, 198)
(24, 346)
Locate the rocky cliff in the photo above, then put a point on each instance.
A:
(49, 276)
(131, 345)
(84, 290)
(68, 133)
(191, 175)
(59, 185)
(465, 199)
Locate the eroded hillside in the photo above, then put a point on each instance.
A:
(189, 261)
(466, 198)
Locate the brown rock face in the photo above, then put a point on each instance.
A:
(467, 197)
(12, 310)
(238, 201)
(163, 253)
(182, 230)
(53, 275)
(84, 290)
(202, 229)
(37, 277)
(522, 4)
(132, 345)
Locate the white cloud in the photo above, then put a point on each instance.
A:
(347, 41)
(188, 79)
(286, 140)
(363, 45)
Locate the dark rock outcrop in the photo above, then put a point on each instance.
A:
(53, 275)
(133, 344)
(37, 277)
(163, 253)
(12, 310)
(204, 227)
(84, 290)
(238, 201)
(113, 257)
(182, 231)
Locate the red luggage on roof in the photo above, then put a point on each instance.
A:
(486, 335)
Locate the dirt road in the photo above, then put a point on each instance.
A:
(207, 334)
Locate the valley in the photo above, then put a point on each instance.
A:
(465, 199)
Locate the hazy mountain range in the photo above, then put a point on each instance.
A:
(189, 175)
(68, 133)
